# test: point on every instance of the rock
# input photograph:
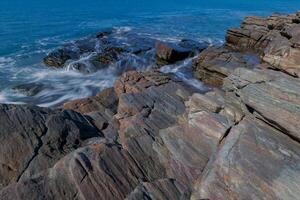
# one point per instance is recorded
(97, 171)
(194, 46)
(214, 64)
(58, 57)
(168, 53)
(105, 99)
(29, 89)
(109, 55)
(33, 139)
(100, 111)
(163, 189)
(146, 106)
(275, 39)
(271, 95)
(103, 34)
(255, 162)
(133, 81)
(186, 147)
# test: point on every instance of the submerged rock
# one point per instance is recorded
(30, 89)
(59, 57)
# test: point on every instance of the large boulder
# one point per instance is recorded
(97, 171)
(167, 53)
(33, 139)
(216, 63)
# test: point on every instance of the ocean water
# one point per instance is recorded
(30, 29)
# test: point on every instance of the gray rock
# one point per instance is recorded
(255, 162)
(33, 139)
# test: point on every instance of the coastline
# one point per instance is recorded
(154, 136)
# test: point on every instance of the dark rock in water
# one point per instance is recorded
(103, 34)
(84, 67)
(86, 45)
(58, 57)
(30, 89)
(168, 53)
(194, 46)
(33, 139)
(108, 56)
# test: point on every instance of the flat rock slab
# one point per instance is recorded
(255, 162)
(273, 96)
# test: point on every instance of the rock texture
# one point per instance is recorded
(274, 38)
(34, 139)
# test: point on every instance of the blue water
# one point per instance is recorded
(30, 29)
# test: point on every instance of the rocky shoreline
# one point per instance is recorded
(153, 136)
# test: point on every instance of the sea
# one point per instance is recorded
(30, 29)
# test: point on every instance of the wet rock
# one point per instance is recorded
(85, 67)
(59, 57)
(30, 89)
(97, 171)
(33, 139)
(163, 189)
(256, 161)
(167, 53)
(195, 46)
(103, 34)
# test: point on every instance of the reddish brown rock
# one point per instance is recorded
(134, 81)
(167, 53)
(214, 64)
(275, 39)
(255, 162)
(98, 171)
(33, 139)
